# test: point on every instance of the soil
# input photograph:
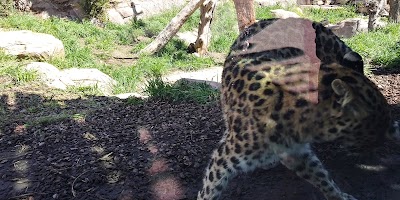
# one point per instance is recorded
(56, 146)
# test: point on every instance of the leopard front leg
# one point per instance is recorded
(218, 173)
(227, 161)
(306, 164)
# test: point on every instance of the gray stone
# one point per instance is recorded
(40, 5)
(127, 95)
(63, 79)
(128, 19)
(91, 78)
(349, 27)
(122, 12)
(123, 4)
(346, 29)
(188, 36)
(71, 9)
(30, 44)
(125, 12)
(114, 16)
(212, 84)
(50, 75)
(209, 74)
(23, 5)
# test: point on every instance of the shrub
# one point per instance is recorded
(95, 8)
(6, 6)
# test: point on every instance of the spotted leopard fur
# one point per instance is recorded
(288, 83)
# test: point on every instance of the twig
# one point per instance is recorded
(73, 183)
(126, 58)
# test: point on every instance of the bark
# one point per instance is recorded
(172, 28)
(394, 13)
(245, 13)
(374, 9)
(204, 33)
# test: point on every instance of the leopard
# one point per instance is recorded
(287, 84)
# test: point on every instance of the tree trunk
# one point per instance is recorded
(245, 13)
(172, 28)
(204, 32)
(394, 13)
(374, 9)
(135, 12)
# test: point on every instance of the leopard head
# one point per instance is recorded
(365, 118)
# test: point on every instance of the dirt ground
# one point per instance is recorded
(106, 148)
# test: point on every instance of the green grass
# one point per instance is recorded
(84, 43)
(134, 101)
(224, 28)
(84, 90)
(54, 118)
(264, 12)
(88, 46)
(14, 71)
(332, 15)
(182, 91)
(380, 47)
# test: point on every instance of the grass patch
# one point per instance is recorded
(78, 117)
(182, 91)
(332, 15)
(14, 71)
(55, 118)
(264, 12)
(47, 120)
(88, 46)
(224, 28)
(134, 101)
(84, 90)
(380, 47)
(85, 44)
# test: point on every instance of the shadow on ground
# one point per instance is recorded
(107, 148)
(103, 148)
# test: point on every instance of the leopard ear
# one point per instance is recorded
(339, 87)
(347, 99)
(354, 61)
(342, 89)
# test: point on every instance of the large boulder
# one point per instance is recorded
(115, 17)
(71, 9)
(122, 11)
(91, 78)
(62, 79)
(50, 75)
(30, 44)
(349, 27)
